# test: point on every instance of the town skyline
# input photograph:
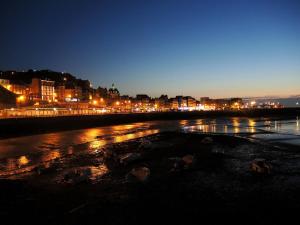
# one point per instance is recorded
(164, 92)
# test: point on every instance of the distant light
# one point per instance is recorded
(54, 109)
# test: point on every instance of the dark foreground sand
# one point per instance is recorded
(213, 186)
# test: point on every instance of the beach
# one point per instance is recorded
(189, 178)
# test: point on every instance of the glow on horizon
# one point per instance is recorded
(199, 48)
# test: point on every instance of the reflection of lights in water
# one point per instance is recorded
(130, 136)
(236, 124)
(121, 138)
(92, 133)
(251, 123)
(268, 125)
(23, 160)
(236, 129)
(203, 128)
(16, 166)
(225, 129)
(125, 127)
(98, 171)
(189, 128)
(213, 121)
(199, 122)
(297, 125)
(97, 144)
(126, 137)
(183, 122)
(213, 128)
(277, 125)
(51, 155)
(53, 138)
(250, 129)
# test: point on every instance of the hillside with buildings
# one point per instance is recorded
(48, 89)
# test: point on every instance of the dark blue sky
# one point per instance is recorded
(200, 48)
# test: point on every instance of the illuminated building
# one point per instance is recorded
(4, 83)
(143, 102)
(174, 104)
(7, 98)
(113, 92)
(162, 103)
(73, 94)
(19, 88)
(60, 93)
(15, 86)
(191, 102)
(42, 90)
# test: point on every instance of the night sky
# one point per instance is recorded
(199, 48)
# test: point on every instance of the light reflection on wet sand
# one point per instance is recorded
(21, 154)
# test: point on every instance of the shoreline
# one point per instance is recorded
(15, 127)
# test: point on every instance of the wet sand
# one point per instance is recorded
(213, 185)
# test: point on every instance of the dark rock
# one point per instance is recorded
(129, 158)
(189, 161)
(260, 166)
(77, 176)
(139, 174)
(218, 150)
(145, 144)
(207, 140)
(46, 168)
(109, 154)
(185, 162)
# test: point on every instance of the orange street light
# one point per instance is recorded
(21, 98)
